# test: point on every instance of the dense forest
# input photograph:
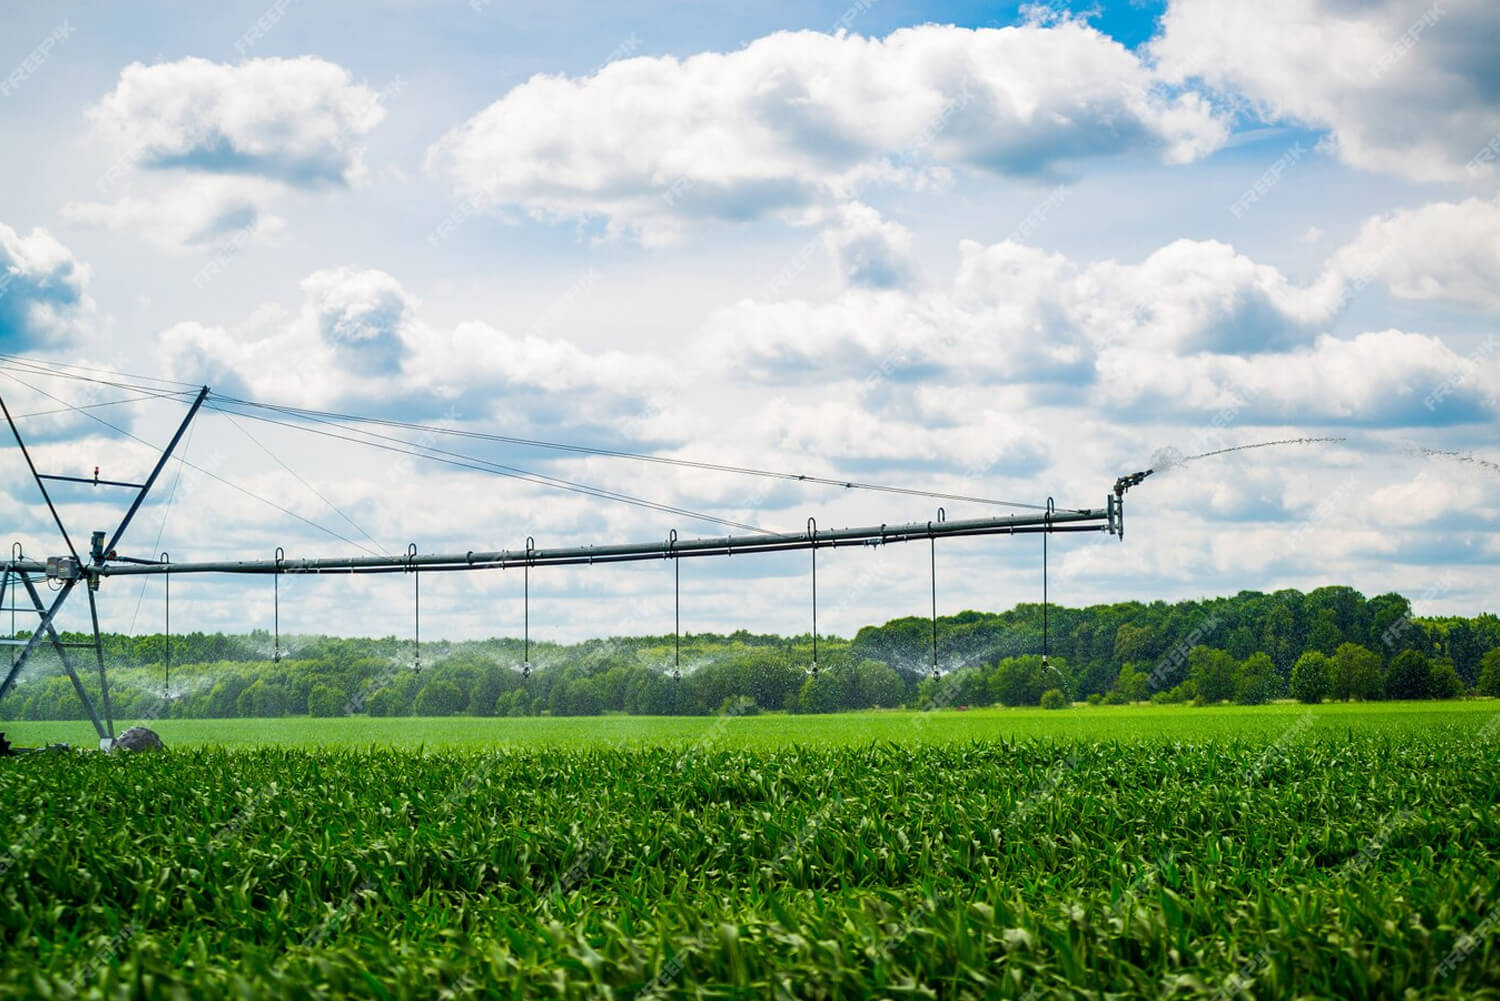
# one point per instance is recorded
(1253, 647)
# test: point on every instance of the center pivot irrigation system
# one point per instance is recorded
(63, 573)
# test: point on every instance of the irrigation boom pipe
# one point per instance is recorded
(1094, 520)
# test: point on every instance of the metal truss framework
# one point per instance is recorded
(67, 572)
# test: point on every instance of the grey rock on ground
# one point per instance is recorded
(138, 738)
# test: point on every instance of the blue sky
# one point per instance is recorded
(1007, 251)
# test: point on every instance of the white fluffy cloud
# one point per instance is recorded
(188, 215)
(1015, 313)
(295, 120)
(1194, 329)
(43, 291)
(1380, 378)
(1189, 296)
(203, 149)
(364, 317)
(1404, 86)
(794, 122)
(358, 339)
(870, 251)
(1445, 251)
(848, 432)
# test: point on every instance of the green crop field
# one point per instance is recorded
(1280, 851)
(1175, 722)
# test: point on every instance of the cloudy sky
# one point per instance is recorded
(1006, 252)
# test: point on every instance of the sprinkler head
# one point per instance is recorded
(525, 670)
(1124, 483)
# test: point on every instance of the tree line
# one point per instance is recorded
(1248, 648)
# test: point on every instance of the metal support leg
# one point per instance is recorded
(942, 516)
(166, 580)
(1047, 531)
(36, 636)
(276, 607)
(48, 614)
(416, 610)
(4, 588)
(526, 610)
(812, 533)
(676, 607)
(99, 554)
(677, 618)
(109, 710)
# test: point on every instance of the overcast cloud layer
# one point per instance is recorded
(1008, 260)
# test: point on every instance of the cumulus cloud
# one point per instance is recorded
(1382, 378)
(43, 291)
(364, 317)
(190, 214)
(203, 149)
(1195, 328)
(358, 339)
(1195, 295)
(1402, 86)
(796, 121)
(869, 251)
(852, 434)
(1016, 313)
(294, 120)
(1444, 251)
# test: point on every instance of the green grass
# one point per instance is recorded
(1100, 852)
(1179, 723)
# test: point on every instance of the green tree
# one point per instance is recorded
(879, 685)
(1324, 635)
(1310, 677)
(1053, 698)
(1390, 622)
(582, 697)
(1019, 681)
(1134, 643)
(223, 699)
(969, 686)
(54, 699)
(1255, 680)
(822, 693)
(1284, 636)
(385, 702)
(1354, 673)
(440, 698)
(1212, 673)
(325, 700)
(1489, 673)
(486, 689)
(654, 695)
(261, 701)
(1133, 683)
(1408, 676)
(1443, 681)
